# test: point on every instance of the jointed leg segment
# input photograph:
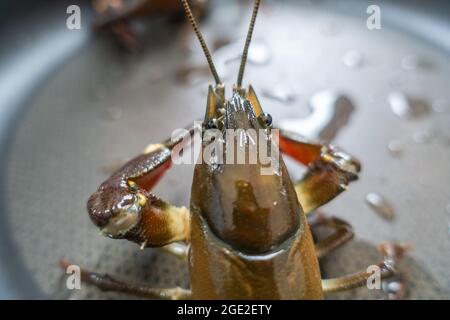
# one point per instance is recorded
(342, 233)
(106, 283)
(329, 173)
(179, 250)
(125, 208)
(329, 170)
(355, 280)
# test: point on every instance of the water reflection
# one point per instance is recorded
(330, 111)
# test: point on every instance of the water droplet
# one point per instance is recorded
(447, 208)
(330, 29)
(440, 105)
(221, 42)
(259, 54)
(330, 111)
(192, 75)
(114, 113)
(353, 59)
(413, 62)
(380, 205)
(448, 229)
(422, 136)
(280, 93)
(406, 107)
(410, 62)
(395, 147)
(396, 290)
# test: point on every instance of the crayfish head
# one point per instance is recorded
(242, 111)
(242, 188)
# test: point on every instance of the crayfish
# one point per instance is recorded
(116, 16)
(247, 235)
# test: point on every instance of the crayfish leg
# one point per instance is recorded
(329, 170)
(104, 282)
(179, 250)
(342, 233)
(356, 280)
(125, 208)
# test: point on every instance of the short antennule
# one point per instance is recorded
(247, 43)
(208, 56)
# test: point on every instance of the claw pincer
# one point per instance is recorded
(124, 206)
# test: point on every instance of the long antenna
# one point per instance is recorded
(191, 18)
(247, 43)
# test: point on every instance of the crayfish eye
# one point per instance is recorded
(215, 124)
(265, 119)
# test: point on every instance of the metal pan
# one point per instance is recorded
(72, 106)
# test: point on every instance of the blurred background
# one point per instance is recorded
(75, 104)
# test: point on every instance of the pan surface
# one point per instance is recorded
(73, 107)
